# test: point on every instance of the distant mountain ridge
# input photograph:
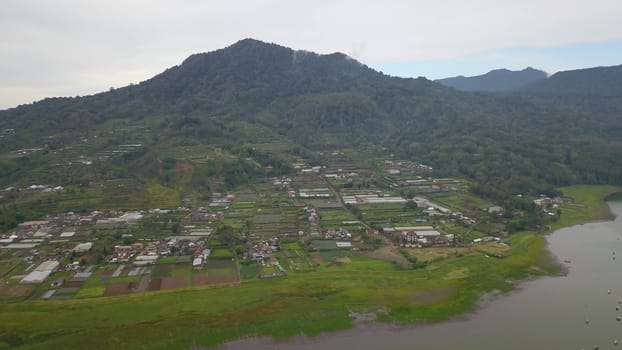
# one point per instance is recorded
(496, 80)
(597, 81)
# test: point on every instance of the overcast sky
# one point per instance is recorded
(76, 47)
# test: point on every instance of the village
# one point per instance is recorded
(319, 216)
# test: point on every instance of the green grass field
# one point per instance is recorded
(587, 204)
(459, 201)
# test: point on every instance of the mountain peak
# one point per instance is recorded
(251, 43)
(255, 72)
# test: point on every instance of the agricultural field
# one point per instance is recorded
(295, 283)
(221, 271)
(249, 270)
(386, 215)
(460, 201)
(103, 282)
(119, 194)
(309, 302)
(294, 258)
(265, 213)
(438, 254)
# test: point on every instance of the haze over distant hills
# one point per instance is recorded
(227, 102)
(495, 80)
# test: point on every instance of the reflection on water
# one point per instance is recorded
(577, 311)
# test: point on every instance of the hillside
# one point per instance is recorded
(194, 126)
(495, 80)
(598, 81)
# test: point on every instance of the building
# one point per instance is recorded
(41, 272)
(131, 217)
(494, 209)
(145, 260)
(197, 263)
(372, 199)
(83, 247)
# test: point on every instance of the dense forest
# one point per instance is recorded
(558, 131)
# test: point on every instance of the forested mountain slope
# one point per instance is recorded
(225, 102)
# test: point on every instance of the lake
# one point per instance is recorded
(571, 312)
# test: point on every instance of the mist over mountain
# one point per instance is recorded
(496, 80)
(227, 103)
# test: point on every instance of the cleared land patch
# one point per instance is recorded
(389, 253)
(119, 289)
(221, 271)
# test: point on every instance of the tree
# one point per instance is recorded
(176, 227)
(410, 205)
(240, 249)
(229, 236)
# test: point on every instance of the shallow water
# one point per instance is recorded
(571, 312)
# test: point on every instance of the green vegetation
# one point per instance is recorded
(249, 271)
(215, 123)
(221, 254)
(204, 137)
(312, 302)
(586, 204)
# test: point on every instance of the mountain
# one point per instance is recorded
(495, 80)
(195, 126)
(598, 81)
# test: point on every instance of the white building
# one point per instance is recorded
(83, 247)
(197, 263)
(41, 272)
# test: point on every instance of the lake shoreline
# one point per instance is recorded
(485, 301)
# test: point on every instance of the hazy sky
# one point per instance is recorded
(73, 47)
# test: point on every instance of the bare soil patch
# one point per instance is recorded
(199, 279)
(216, 278)
(11, 290)
(174, 282)
(73, 284)
(119, 289)
(389, 253)
(155, 284)
(221, 271)
(343, 260)
(438, 253)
